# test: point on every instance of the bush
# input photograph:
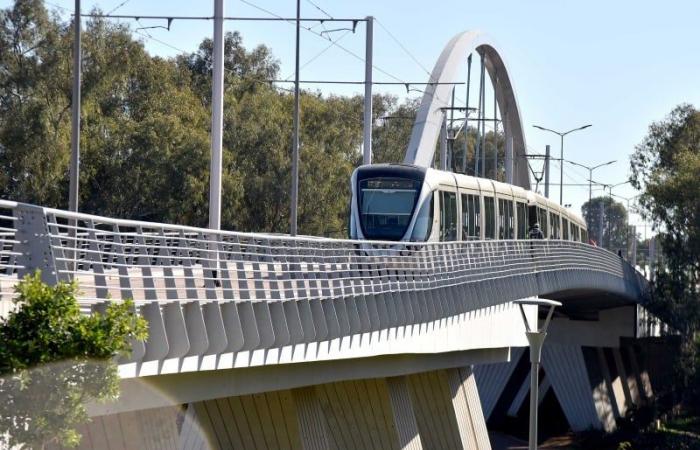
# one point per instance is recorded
(54, 359)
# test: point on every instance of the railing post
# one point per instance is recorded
(35, 243)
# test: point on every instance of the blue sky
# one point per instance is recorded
(616, 64)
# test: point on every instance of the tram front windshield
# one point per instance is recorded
(386, 206)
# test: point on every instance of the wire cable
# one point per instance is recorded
(403, 47)
(118, 6)
(319, 8)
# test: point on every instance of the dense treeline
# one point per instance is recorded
(145, 129)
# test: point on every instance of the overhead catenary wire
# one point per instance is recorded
(118, 6)
(403, 47)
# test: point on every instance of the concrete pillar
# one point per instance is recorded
(404, 416)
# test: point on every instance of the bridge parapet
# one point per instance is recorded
(210, 292)
(149, 261)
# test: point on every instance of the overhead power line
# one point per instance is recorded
(319, 8)
(403, 47)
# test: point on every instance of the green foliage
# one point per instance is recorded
(665, 167)
(53, 359)
(615, 231)
(145, 130)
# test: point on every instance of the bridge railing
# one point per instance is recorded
(113, 258)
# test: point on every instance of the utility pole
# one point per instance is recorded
(466, 115)
(483, 115)
(495, 129)
(295, 138)
(600, 219)
(443, 142)
(217, 118)
(546, 171)
(73, 189)
(367, 121)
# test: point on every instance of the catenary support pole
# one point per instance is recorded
(561, 172)
(73, 188)
(508, 134)
(546, 170)
(443, 143)
(495, 129)
(217, 118)
(367, 121)
(295, 137)
(479, 110)
(450, 135)
(601, 211)
(483, 116)
(466, 115)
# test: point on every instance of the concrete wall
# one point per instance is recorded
(438, 409)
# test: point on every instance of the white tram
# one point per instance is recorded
(399, 202)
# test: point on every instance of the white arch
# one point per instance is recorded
(426, 128)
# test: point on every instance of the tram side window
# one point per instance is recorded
(505, 219)
(448, 216)
(542, 217)
(470, 217)
(554, 225)
(575, 233)
(565, 229)
(521, 213)
(489, 218)
(584, 235)
(531, 216)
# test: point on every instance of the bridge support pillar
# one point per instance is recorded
(404, 415)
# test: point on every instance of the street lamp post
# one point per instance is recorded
(536, 340)
(627, 234)
(561, 155)
(590, 177)
(610, 187)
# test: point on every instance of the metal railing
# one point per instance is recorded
(113, 258)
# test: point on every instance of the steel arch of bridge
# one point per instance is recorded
(426, 128)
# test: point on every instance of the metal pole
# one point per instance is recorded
(600, 220)
(534, 391)
(217, 118)
(75, 119)
(477, 142)
(295, 138)
(367, 121)
(450, 135)
(561, 172)
(509, 147)
(443, 143)
(495, 132)
(483, 116)
(466, 115)
(546, 171)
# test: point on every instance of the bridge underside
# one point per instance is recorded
(406, 407)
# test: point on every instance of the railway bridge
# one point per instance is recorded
(273, 341)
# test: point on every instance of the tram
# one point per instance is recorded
(400, 202)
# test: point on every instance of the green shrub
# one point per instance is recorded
(54, 359)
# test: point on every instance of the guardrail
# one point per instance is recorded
(118, 259)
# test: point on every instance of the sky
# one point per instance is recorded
(618, 65)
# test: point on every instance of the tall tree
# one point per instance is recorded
(665, 166)
(614, 222)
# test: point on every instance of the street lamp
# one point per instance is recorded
(602, 207)
(630, 255)
(561, 155)
(590, 173)
(536, 340)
